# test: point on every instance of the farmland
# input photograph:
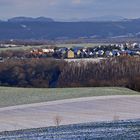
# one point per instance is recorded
(15, 96)
(70, 111)
(22, 47)
(82, 44)
(107, 130)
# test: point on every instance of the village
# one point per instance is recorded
(77, 52)
(73, 52)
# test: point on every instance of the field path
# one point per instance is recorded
(70, 111)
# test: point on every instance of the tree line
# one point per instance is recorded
(30, 72)
(117, 71)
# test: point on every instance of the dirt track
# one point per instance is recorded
(105, 108)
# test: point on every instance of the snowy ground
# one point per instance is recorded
(70, 111)
(96, 60)
(117, 130)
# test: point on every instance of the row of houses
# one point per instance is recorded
(83, 52)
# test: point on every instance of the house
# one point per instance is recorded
(137, 52)
(127, 52)
(84, 49)
(77, 53)
(116, 52)
(70, 54)
(34, 52)
(100, 53)
(63, 52)
(48, 50)
(91, 54)
(109, 53)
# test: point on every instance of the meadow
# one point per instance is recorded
(10, 96)
(24, 48)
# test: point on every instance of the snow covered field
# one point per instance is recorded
(117, 130)
(71, 111)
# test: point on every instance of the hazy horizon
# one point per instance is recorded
(62, 9)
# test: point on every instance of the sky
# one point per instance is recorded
(69, 9)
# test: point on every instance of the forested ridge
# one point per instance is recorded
(39, 30)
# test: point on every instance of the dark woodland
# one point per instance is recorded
(51, 73)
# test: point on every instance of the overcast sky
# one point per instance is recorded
(67, 9)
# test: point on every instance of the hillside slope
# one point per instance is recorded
(54, 30)
(17, 96)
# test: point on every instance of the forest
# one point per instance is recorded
(121, 71)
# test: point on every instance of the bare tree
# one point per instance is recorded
(116, 118)
(57, 120)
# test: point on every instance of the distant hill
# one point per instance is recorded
(95, 19)
(106, 18)
(45, 28)
(30, 19)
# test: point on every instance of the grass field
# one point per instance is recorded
(80, 45)
(20, 48)
(17, 96)
(58, 45)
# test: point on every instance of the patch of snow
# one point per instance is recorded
(23, 26)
